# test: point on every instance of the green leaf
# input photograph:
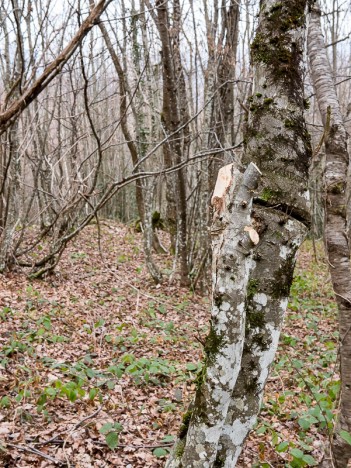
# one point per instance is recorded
(261, 430)
(309, 460)
(110, 384)
(106, 428)
(305, 423)
(112, 440)
(51, 392)
(282, 446)
(167, 439)
(92, 393)
(191, 366)
(297, 453)
(5, 402)
(160, 452)
(346, 436)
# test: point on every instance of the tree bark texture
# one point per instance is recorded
(277, 141)
(336, 241)
(232, 239)
(174, 114)
(222, 109)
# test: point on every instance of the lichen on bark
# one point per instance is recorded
(278, 143)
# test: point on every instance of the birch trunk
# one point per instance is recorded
(232, 241)
(278, 143)
(336, 242)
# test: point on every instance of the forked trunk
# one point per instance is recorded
(278, 143)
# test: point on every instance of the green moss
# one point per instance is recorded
(268, 194)
(268, 101)
(288, 123)
(280, 286)
(259, 95)
(252, 288)
(200, 377)
(213, 344)
(255, 319)
(183, 430)
(337, 188)
(179, 448)
(306, 104)
(219, 462)
(273, 45)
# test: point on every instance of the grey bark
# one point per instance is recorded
(232, 262)
(278, 143)
(335, 230)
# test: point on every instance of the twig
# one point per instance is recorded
(29, 449)
(76, 427)
(137, 447)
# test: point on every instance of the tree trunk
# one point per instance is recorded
(222, 112)
(232, 240)
(278, 143)
(143, 197)
(178, 138)
(336, 242)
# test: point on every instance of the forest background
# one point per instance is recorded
(131, 124)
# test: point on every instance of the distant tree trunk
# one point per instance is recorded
(175, 117)
(144, 202)
(222, 112)
(336, 241)
(278, 143)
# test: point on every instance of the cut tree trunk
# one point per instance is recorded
(335, 230)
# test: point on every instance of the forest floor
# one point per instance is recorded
(97, 364)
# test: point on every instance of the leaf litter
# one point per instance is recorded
(97, 363)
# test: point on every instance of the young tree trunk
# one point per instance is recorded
(143, 199)
(232, 240)
(278, 143)
(336, 242)
(222, 112)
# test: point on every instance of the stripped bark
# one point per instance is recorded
(232, 262)
(335, 235)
